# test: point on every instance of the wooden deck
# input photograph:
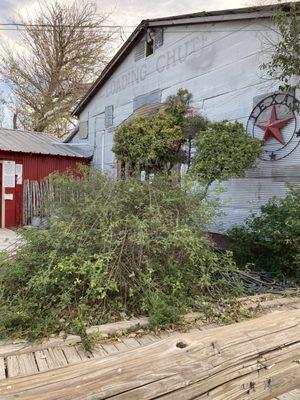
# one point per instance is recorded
(30, 360)
(17, 360)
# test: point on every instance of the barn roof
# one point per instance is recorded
(37, 143)
(237, 14)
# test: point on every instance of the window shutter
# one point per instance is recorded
(109, 111)
(83, 130)
(147, 98)
(159, 38)
(140, 50)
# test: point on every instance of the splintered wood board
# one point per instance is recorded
(254, 360)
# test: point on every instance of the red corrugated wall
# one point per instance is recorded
(35, 167)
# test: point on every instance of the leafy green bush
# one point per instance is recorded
(156, 142)
(112, 249)
(271, 240)
(224, 150)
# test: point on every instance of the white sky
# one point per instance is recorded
(123, 12)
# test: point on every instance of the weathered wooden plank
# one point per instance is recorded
(98, 351)
(293, 395)
(71, 354)
(256, 359)
(2, 368)
(109, 348)
(13, 368)
(27, 364)
(147, 339)
(9, 348)
(57, 354)
(41, 360)
(82, 353)
(131, 343)
(121, 346)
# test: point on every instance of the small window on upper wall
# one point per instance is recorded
(149, 46)
(83, 132)
(150, 42)
(109, 116)
(158, 38)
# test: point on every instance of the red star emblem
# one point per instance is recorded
(272, 127)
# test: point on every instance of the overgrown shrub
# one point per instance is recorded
(271, 240)
(112, 249)
(154, 140)
(160, 141)
(224, 150)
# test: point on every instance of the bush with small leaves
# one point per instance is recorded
(271, 239)
(223, 150)
(112, 248)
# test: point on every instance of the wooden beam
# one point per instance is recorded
(256, 359)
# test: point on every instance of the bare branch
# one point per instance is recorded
(56, 64)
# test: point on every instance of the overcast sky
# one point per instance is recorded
(124, 12)
(132, 11)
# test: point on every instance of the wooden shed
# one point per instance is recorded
(27, 158)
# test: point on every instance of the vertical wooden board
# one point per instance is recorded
(98, 351)
(146, 339)
(13, 368)
(71, 354)
(121, 346)
(41, 360)
(27, 364)
(82, 353)
(109, 348)
(2, 368)
(131, 343)
(58, 355)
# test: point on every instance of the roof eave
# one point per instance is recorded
(207, 19)
(46, 154)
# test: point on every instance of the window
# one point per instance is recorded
(109, 116)
(83, 130)
(149, 46)
(147, 98)
(149, 43)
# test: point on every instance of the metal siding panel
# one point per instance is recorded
(33, 142)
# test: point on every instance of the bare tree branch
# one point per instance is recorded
(57, 62)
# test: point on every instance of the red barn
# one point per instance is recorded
(28, 157)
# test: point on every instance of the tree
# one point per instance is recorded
(284, 65)
(153, 142)
(189, 118)
(224, 150)
(157, 142)
(63, 48)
